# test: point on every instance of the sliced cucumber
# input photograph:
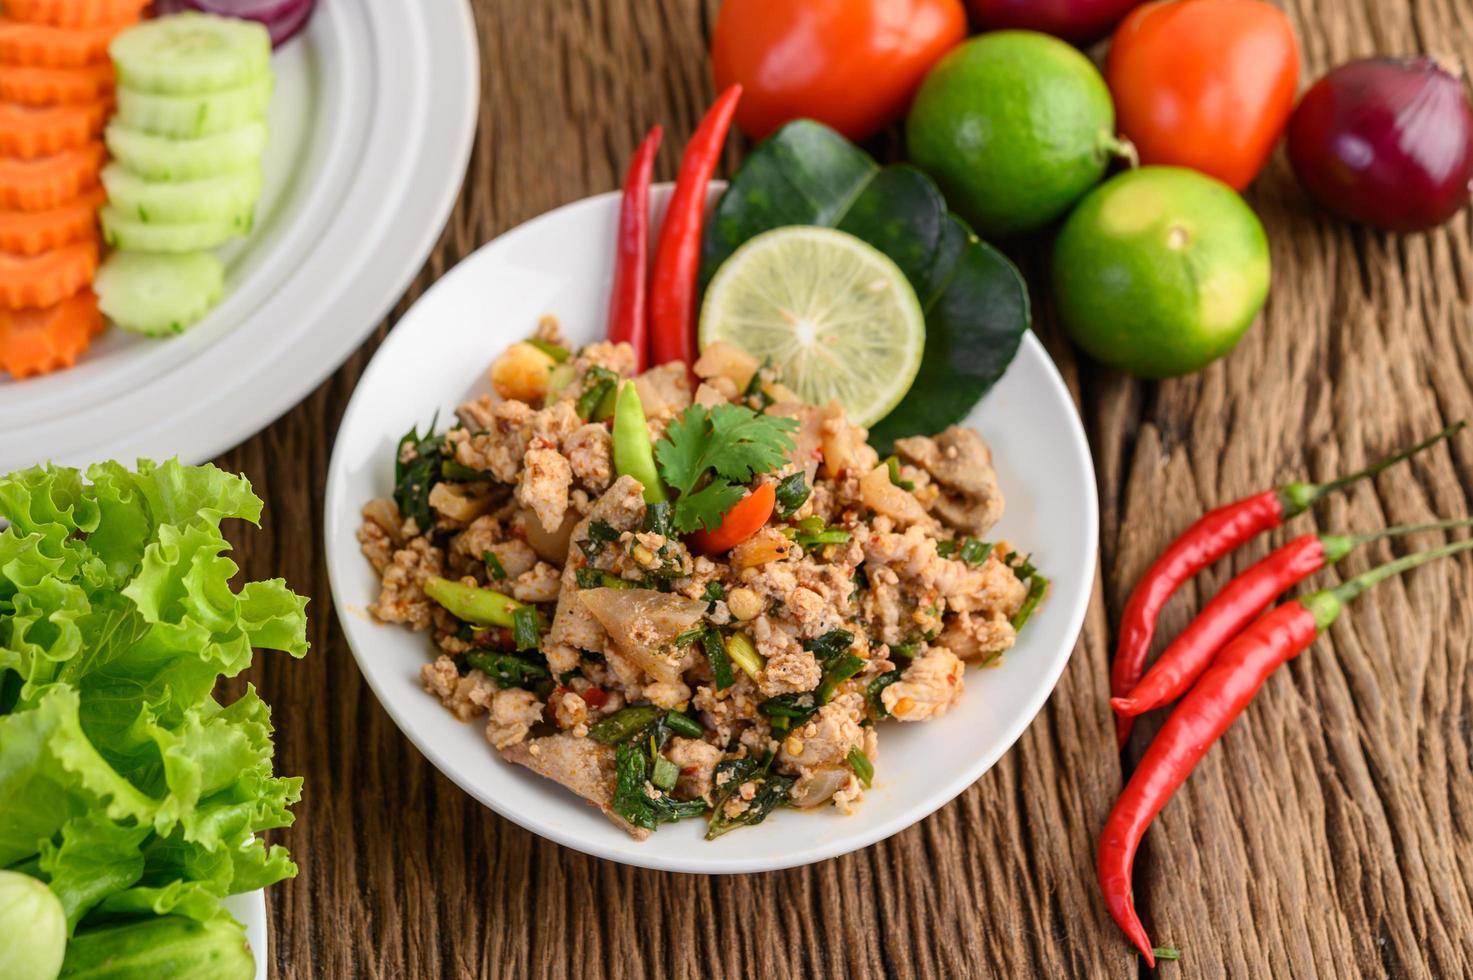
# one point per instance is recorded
(190, 54)
(163, 201)
(121, 231)
(160, 158)
(158, 294)
(192, 116)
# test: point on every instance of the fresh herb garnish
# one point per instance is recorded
(659, 519)
(863, 768)
(634, 803)
(1023, 567)
(596, 404)
(593, 578)
(877, 688)
(526, 628)
(788, 710)
(493, 564)
(714, 591)
(792, 493)
(812, 532)
(600, 533)
(557, 352)
(830, 645)
(709, 455)
(715, 648)
(510, 670)
(894, 466)
(773, 790)
(414, 480)
(974, 552)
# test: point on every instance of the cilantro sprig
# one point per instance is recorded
(709, 455)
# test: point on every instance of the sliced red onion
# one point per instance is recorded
(283, 18)
(1387, 142)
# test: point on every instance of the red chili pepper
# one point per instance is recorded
(1206, 712)
(628, 313)
(1212, 536)
(678, 254)
(1239, 603)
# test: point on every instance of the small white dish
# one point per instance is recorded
(371, 126)
(562, 263)
(250, 909)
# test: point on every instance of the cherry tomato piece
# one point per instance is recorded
(740, 523)
(850, 64)
(1205, 84)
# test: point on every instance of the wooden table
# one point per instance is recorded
(1331, 833)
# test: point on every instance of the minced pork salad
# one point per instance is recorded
(685, 605)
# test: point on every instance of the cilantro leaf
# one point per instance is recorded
(708, 456)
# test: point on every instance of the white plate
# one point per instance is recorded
(250, 909)
(371, 130)
(561, 263)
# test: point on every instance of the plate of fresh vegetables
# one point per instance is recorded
(208, 203)
(837, 282)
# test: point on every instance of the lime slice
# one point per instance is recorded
(834, 315)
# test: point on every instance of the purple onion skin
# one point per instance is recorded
(282, 18)
(1386, 142)
(1076, 21)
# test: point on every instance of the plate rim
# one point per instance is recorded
(234, 412)
(333, 519)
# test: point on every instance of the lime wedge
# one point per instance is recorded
(834, 315)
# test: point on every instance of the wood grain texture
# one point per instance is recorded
(1330, 834)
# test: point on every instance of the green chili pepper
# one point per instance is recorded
(480, 606)
(634, 453)
(557, 352)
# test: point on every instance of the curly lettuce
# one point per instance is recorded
(125, 785)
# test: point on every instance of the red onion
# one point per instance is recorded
(1077, 21)
(1388, 142)
(283, 18)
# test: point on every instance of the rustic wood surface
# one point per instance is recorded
(1330, 834)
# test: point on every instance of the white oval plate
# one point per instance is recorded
(371, 128)
(250, 910)
(561, 263)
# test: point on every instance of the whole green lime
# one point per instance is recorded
(1160, 270)
(1015, 126)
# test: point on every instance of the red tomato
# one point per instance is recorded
(740, 523)
(851, 64)
(1206, 84)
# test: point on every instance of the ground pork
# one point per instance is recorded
(401, 596)
(973, 636)
(494, 438)
(928, 687)
(543, 486)
(540, 583)
(827, 737)
(513, 713)
(664, 391)
(569, 710)
(970, 500)
(590, 453)
(465, 696)
(696, 760)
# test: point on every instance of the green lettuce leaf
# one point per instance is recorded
(124, 783)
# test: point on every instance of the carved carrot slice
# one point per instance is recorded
(44, 46)
(48, 182)
(34, 232)
(28, 132)
(33, 281)
(36, 341)
(75, 13)
(55, 86)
